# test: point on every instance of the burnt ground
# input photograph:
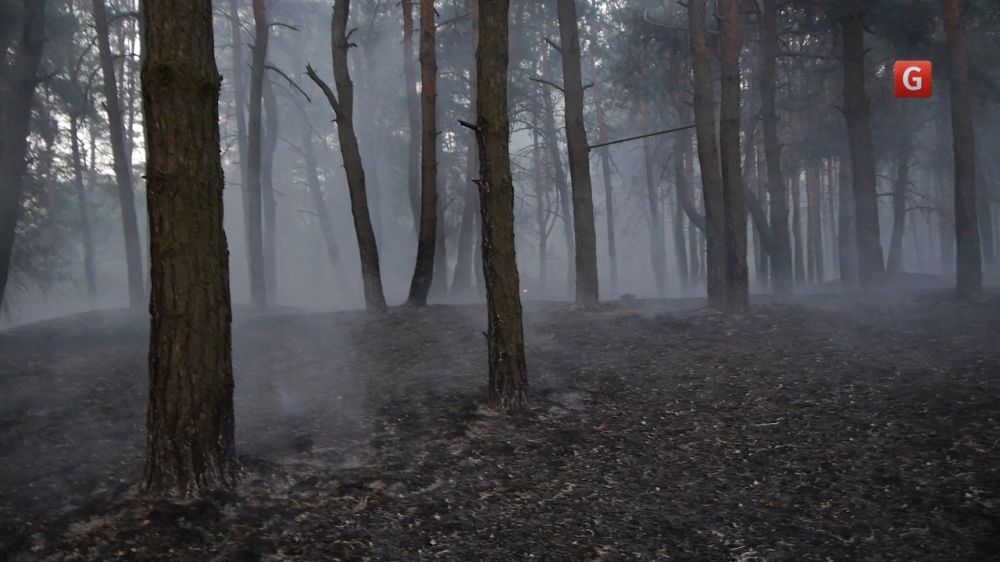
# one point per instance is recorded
(826, 427)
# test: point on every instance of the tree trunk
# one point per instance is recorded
(781, 255)
(239, 89)
(562, 189)
(585, 238)
(814, 234)
(86, 236)
(413, 114)
(508, 381)
(681, 146)
(609, 199)
(969, 265)
(846, 241)
(657, 242)
(899, 192)
(122, 160)
(857, 110)
(18, 93)
(190, 447)
(342, 104)
(461, 280)
(735, 211)
(708, 156)
(319, 201)
(268, 146)
(798, 249)
(255, 251)
(423, 272)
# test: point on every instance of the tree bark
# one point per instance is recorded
(342, 104)
(609, 199)
(814, 233)
(969, 265)
(190, 448)
(780, 254)
(857, 110)
(899, 192)
(461, 280)
(735, 210)
(423, 272)
(83, 208)
(255, 251)
(413, 114)
(122, 160)
(708, 156)
(585, 238)
(18, 94)
(508, 381)
(269, 143)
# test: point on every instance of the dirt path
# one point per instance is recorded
(822, 428)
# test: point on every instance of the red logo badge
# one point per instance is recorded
(913, 79)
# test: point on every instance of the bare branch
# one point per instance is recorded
(547, 83)
(289, 80)
(330, 97)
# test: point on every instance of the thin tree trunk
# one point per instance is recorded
(798, 250)
(857, 110)
(585, 238)
(708, 156)
(846, 241)
(735, 211)
(319, 201)
(86, 236)
(342, 104)
(22, 77)
(541, 204)
(680, 187)
(255, 252)
(814, 233)
(781, 256)
(462, 278)
(190, 445)
(268, 146)
(899, 192)
(423, 272)
(122, 160)
(413, 114)
(969, 265)
(657, 242)
(609, 199)
(239, 89)
(508, 381)
(562, 188)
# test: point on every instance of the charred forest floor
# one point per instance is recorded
(821, 427)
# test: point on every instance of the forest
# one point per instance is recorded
(499, 280)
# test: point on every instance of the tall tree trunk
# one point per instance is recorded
(190, 446)
(781, 255)
(562, 189)
(681, 147)
(461, 280)
(239, 97)
(831, 211)
(255, 251)
(86, 236)
(122, 160)
(585, 238)
(508, 380)
(735, 210)
(857, 110)
(413, 114)
(342, 104)
(268, 146)
(609, 199)
(846, 241)
(18, 93)
(541, 204)
(814, 234)
(969, 265)
(899, 192)
(423, 272)
(708, 156)
(798, 248)
(657, 239)
(319, 201)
